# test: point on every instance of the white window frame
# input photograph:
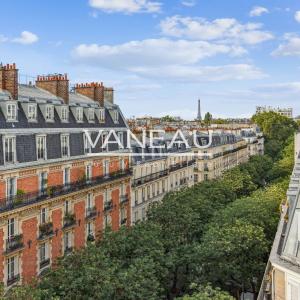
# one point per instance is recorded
(49, 113)
(102, 114)
(12, 262)
(89, 172)
(65, 143)
(91, 115)
(43, 215)
(11, 111)
(79, 114)
(32, 112)
(116, 116)
(64, 114)
(66, 171)
(38, 145)
(45, 248)
(8, 186)
(6, 144)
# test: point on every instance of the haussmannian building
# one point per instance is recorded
(56, 192)
(157, 172)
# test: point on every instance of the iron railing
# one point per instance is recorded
(9, 203)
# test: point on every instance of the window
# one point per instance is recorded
(122, 164)
(43, 215)
(143, 213)
(89, 201)
(107, 220)
(106, 167)
(32, 114)
(121, 138)
(136, 216)
(10, 149)
(65, 146)
(11, 188)
(91, 115)
(136, 197)
(64, 114)
(49, 113)
(44, 255)
(87, 144)
(79, 114)
(115, 116)
(102, 114)
(143, 194)
(66, 176)
(148, 192)
(12, 269)
(123, 215)
(41, 147)
(67, 207)
(88, 172)
(11, 112)
(43, 182)
(90, 229)
(68, 241)
(11, 228)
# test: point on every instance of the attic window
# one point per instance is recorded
(116, 116)
(91, 114)
(32, 112)
(11, 112)
(102, 114)
(49, 113)
(64, 114)
(79, 114)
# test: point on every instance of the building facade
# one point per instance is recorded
(287, 112)
(155, 174)
(225, 152)
(282, 276)
(56, 192)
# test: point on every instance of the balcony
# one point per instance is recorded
(124, 221)
(124, 199)
(69, 220)
(91, 212)
(25, 199)
(46, 230)
(14, 243)
(150, 177)
(45, 263)
(108, 205)
(13, 279)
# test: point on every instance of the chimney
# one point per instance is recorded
(93, 90)
(57, 85)
(109, 94)
(9, 79)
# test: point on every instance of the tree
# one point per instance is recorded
(233, 255)
(207, 119)
(208, 293)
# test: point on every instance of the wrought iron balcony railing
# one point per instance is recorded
(13, 279)
(14, 243)
(124, 199)
(45, 230)
(25, 199)
(44, 263)
(69, 220)
(108, 205)
(91, 212)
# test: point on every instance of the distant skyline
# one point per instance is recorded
(162, 56)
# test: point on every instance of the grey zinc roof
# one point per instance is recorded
(75, 98)
(27, 92)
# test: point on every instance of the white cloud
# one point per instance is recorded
(167, 59)
(227, 29)
(202, 73)
(257, 11)
(153, 52)
(126, 6)
(26, 38)
(297, 16)
(190, 3)
(290, 48)
(3, 38)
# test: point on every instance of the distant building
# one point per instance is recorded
(287, 112)
(282, 275)
(157, 173)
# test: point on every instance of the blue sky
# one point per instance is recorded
(161, 56)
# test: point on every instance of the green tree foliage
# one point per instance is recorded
(277, 130)
(168, 118)
(208, 293)
(207, 119)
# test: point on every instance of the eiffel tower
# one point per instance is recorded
(199, 117)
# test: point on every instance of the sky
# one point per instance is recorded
(162, 56)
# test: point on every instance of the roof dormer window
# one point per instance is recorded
(116, 116)
(32, 112)
(64, 114)
(102, 114)
(79, 114)
(11, 110)
(91, 115)
(49, 115)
